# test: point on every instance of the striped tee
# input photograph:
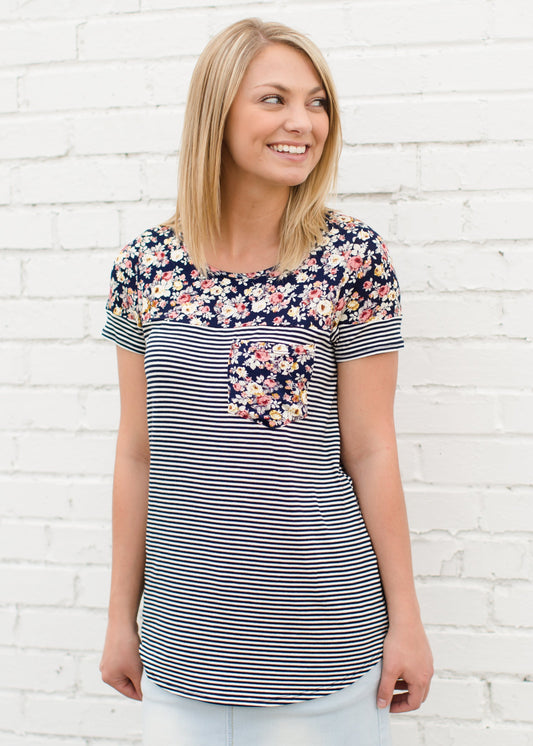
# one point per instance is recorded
(261, 583)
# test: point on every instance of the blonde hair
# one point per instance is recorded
(214, 85)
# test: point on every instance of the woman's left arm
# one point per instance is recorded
(366, 388)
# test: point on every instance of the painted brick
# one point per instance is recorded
(423, 220)
(169, 81)
(412, 119)
(475, 734)
(135, 220)
(71, 544)
(161, 177)
(16, 371)
(478, 652)
(78, 180)
(11, 704)
(511, 19)
(5, 184)
(89, 676)
(36, 586)
(8, 92)
(143, 36)
(23, 540)
(102, 410)
(449, 411)
(377, 170)
(33, 138)
(10, 277)
(501, 559)
(88, 717)
(443, 510)
(137, 131)
(61, 629)
(35, 320)
(508, 116)
(417, 23)
(48, 672)
(8, 451)
(65, 453)
(465, 267)
(437, 556)
(455, 698)
(77, 364)
(39, 409)
(93, 586)
(498, 219)
(91, 500)
(83, 228)
(484, 167)
(513, 605)
(453, 68)
(475, 363)
(56, 275)
(20, 498)
(8, 621)
(74, 8)
(46, 42)
(449, 315)
(511, 700)
(471, 460)
(453, 603)
(506, 510)
(25, 229)
(376, 211)
(517, 318)
(90, 85)
(517, 412)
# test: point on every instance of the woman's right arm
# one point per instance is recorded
(121, 665)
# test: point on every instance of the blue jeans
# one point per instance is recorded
(348, 717)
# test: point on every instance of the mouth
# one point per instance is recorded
(292, 149)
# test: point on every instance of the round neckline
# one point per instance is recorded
(180, 243)
(231, 273)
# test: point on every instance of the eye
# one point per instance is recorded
(320, 102)
(274, 98)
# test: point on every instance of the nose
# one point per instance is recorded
(298, 119)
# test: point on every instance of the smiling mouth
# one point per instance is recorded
(291, 149)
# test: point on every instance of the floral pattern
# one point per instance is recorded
(267, 382)
(347, 278)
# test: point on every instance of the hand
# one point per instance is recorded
(121, 665)
(407, 666)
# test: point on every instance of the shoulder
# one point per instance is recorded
(153, 244)
(352, 235)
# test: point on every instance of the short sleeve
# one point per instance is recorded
(123, 318)
(369, 311)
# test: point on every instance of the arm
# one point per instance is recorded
(121, 666)
(366, 388)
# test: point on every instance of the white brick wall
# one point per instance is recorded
(437, 101)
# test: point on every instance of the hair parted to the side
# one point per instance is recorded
(214, 85)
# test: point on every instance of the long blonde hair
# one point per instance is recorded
(214, 85)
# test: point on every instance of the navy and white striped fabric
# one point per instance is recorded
(261, 583)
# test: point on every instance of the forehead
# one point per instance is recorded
(280, 63)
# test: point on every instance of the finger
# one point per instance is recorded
(387, 682)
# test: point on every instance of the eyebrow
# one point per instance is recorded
(283, 89)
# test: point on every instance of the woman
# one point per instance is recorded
(257, 338)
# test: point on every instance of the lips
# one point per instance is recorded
(290, 148)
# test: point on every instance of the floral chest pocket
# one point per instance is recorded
(267, 382)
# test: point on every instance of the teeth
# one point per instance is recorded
(289, 148)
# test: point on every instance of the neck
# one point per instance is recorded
(250, 224)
